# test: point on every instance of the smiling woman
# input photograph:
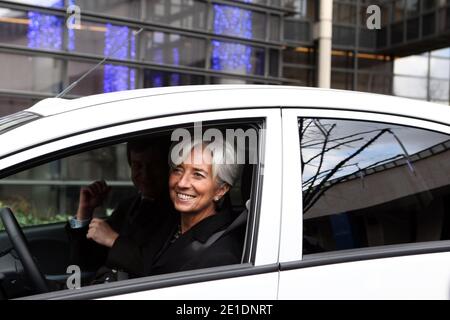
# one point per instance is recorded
(198, 182)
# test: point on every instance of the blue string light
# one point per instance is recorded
(45, 31)
(119, 44)
(175, 77)
(71, 34)
(226, 56)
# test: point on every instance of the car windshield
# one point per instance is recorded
(16, 119)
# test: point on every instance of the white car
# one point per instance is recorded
(348, 196)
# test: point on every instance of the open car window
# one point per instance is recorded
(45, 198)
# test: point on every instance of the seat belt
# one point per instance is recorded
(240, 220)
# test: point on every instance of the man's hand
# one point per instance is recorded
(91, 197)
(101, 232)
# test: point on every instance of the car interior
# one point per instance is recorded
(37, 201)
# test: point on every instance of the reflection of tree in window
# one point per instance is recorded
(360, 176)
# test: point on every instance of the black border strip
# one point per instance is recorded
(353, 255)
(156, 282)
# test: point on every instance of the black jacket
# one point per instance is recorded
(191, 249)
(139, 225)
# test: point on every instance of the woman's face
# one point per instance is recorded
(192, 186)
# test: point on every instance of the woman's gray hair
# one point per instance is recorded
(225, 168)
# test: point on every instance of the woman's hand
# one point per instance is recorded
(102, 233)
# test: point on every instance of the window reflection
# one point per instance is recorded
(31, 73)
(190, 14)
(156, 78)
(235, 57)
(371, 184)
(440, 68)
(439, 90)
(166, 48)
(410, 87)
(118, 8)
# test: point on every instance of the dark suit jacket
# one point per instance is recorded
(140, 225)
(189, 251)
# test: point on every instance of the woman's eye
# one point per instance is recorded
(198, 175)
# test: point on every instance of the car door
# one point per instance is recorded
(256, 277)
(366, 212)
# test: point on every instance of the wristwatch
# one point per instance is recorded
(75, 223)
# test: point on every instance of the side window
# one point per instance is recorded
(49, 193)
(368, 184)
(162, 213)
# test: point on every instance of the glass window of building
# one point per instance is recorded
(237, 58)
(274, 28)
(104, 39)
(189, 14)
(174, 49)
(14, 26)
(118, 8)
(158, 78)
(239, 22)
(440, 68)
(412, 65)
(106, 78)
(344, 13)
(439, 90)
(33, 29)
(31, 73)
(342, 80)
(410, 87)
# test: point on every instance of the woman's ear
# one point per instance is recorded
(221, 191)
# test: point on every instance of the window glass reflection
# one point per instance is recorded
(412, 65)
(106, 78)
(439, 90)
(14, 27)
(444, 53)
(235, 21)
(104, 39)
(188, 14)
(174, 49)
(33, 29)
(410, 87)
(31, 73)
(156, 78)
(440, 68)
(237, 58)
(118, 8)
(371, 184)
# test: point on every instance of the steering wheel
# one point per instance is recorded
(20, 244)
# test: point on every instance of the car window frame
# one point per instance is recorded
(115, 134)
(291, 255)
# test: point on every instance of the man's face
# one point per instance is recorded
(147, 172)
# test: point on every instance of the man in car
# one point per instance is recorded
(114, 247)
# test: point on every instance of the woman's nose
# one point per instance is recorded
(183, 182)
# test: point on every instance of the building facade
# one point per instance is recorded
(44, 47)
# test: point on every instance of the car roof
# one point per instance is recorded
(340, 99)
(63, 117)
